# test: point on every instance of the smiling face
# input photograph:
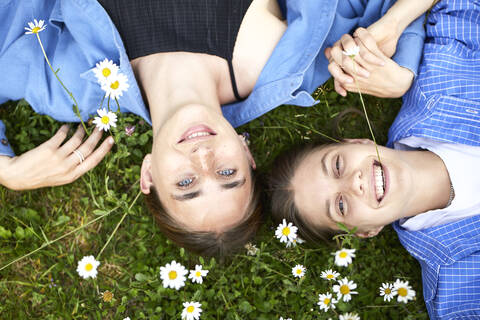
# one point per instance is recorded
(346, 183)
(200, 168)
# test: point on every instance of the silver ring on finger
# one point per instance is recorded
(79, 155)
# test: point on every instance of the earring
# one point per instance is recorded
(246, 137)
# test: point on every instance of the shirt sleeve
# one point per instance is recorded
(5, 149)
(410, 46)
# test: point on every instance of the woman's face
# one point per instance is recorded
(345, 183)
(200, 168)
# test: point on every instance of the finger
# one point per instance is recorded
(94, 158)
(339, 89)
(368, 57)
(86, 148)
(58, 138)
(351, 67)
(369, 42)
(338, 73)
(74, 142)
(328, 53)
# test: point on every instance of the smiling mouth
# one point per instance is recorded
(197, 133)
(379, 176)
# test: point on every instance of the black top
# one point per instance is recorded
(199, 26)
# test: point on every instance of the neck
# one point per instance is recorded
(431, 183)
(174, 80)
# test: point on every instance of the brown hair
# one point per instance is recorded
(282, 194)
(209, 243)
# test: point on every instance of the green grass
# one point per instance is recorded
(45, 285)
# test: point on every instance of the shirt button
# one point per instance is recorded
(4, 142)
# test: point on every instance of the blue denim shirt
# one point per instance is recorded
(79, 34)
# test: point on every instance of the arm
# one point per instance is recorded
(51, 163)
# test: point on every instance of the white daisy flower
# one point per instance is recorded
(299, 271)
(325, 301)
(173, 275)
(344, 257)
(251, 249)
(116, 85)
(404, 291)
(127, 318)
(329, 274)
(35, 26)
(294, 242)
(105, 70)
(344, 289)
(197, 274)
(352, 52)
(281, 318)
(191, 310)
(105, 120)
(87, 267)
(387, 291)
(349, 316)
(286, 232)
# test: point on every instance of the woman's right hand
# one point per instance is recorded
(54, 164)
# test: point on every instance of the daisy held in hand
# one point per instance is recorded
(387, 291)
(286, 232)
(197, 274)
(173, 275)
(35, 27)
(191, 310)
(87, 267)
(344, 289)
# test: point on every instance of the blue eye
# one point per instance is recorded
(185, 182)
(340, 205)
(227, 172)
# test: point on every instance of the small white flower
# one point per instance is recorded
(349, 316)
(387, 291)
(105, 70)
(115, 86)
(329, 274)
(35, 26)
(325, 301)
(191, 310)
(105, 120)
(294, 242)
(87, 267)
(251, 249)
(344, 289)
(286, 232)
(281, 318)
(173, 275)
(344, 257)
(404, 291)
(299, 271)
(352, 52)
(127, 318)
(197, 274)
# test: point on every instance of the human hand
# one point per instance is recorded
(54, 164)
(373, 71)
(385, 33)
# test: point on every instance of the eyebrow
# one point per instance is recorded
(193, 195)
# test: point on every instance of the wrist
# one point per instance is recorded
(5, 169)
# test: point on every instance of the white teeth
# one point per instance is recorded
(198, 134)
(379, 187)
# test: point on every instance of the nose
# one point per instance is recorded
(357, 184)
(202, 156)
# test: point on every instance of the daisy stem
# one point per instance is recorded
(365, 112)
(313, 130)
(46, 244)
(118, 225)
(101, 102)
(75, 104)
(108, 103)
(118, 105)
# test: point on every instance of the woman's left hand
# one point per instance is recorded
(375, 73)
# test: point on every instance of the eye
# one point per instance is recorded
(340, 205)
(227, 172)
(337, 165)
(185, 182)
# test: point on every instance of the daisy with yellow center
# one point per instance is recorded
(329, 275)
(191, 310)
(105, 70)
(344, 289)
(299, 271)
(294, 242)
(173, 275)
(115, 86)
(35, 27)
(344, 257)
(286, 232)
(404, 291)
(352, 52)
(349, 316)
(387, 291)
(197, 274)
(87, 267)
(105, 119)
(326, 301)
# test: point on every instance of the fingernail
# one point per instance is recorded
(365, 74)
(110, 140)
(349, 80)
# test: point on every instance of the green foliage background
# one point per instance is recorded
(45, 285)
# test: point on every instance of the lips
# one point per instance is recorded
(198, 132)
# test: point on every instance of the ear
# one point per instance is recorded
(146, 180)
(247, 150)
(369, 234)
(359, 141)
